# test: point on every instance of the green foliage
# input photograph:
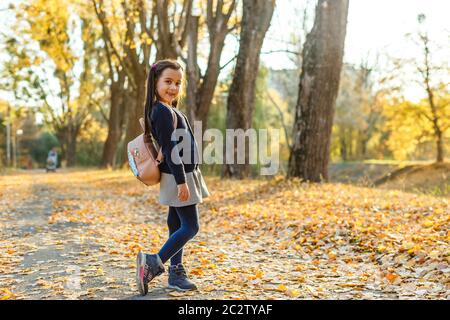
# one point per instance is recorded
(90, 143)
(89, 154)
(41, 146)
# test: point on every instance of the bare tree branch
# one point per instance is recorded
(101, 17)
(231, 60)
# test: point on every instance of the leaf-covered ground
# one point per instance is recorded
(75, 235)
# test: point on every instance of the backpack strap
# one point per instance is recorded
(175, 124)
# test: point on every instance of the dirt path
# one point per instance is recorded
(55, 260)
(74, 235)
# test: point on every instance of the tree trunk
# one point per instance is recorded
(60, 134)
(201, 93)
(363, 145)
(343, 143)
(208, 86)
(435, 118)
(241, 99)
(171, 37)
(67, 137)
(426, 72)
(115, 121)
(319, 84)
(193, 75)
(439, 147)
(71, 147)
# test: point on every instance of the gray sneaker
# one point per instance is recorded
(178, 279)
(148, 266)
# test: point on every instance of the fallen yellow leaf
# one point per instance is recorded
(5, 294)
(391, 277)
(294, 293)
(197, 271)
(427, 223)
(332, 255)
(100, 271)
(281, 288)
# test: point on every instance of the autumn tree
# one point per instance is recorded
(423, 122)
(127, 44)
(172, 20)
(201, 87)
(66, 99)
(407, 126)
(165, 28)
(283, 98)
(117, 75)
(319, 82)
(132, 30)
(241, 98)
(438, 109)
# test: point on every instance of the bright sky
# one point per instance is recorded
(374, 26)
(381, 25)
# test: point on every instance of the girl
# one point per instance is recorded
(182, 186)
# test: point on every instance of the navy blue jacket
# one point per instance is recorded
(161, 129)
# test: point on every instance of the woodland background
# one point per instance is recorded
(75, 79)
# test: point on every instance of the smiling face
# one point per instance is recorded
(168, 85)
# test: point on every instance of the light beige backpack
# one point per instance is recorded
(144, 157)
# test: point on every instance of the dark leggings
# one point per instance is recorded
(183, 226)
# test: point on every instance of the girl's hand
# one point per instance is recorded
(183, 192)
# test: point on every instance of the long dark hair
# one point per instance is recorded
(152, 95)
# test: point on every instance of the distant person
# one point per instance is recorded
(52, 160)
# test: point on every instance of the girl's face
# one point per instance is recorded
(169, 84)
